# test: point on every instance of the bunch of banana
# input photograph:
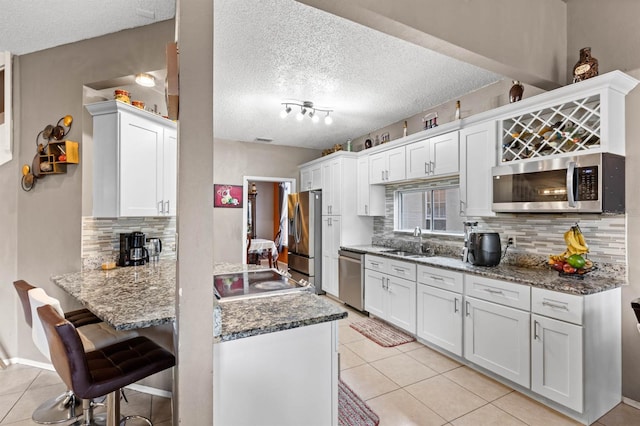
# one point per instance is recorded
(576, 243)
(571, 259)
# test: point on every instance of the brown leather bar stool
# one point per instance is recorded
(104, 371)
(93, 332)
(61, 408)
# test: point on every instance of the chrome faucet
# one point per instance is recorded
(418, 233)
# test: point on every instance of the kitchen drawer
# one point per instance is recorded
(400, 269)
(505, 293)
(562, 306)
(441, 278)
(376, 263)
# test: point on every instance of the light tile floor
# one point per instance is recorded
(406, 385)
(412, 384)
(23, 388)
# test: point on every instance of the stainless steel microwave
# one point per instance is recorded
(590, 183)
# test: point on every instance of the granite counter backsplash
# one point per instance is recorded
(542, 277)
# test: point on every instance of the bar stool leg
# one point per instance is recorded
(63, 408)
(113, 408)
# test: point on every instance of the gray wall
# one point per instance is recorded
(49, 220)
(613, 35)
(232, 161)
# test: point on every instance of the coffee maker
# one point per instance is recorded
(132, 249)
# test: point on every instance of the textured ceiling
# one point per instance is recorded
(30, 25)
(267, 51)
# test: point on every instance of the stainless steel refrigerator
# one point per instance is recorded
(305, 237)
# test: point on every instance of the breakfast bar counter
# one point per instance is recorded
(126, 298)
(143, 296)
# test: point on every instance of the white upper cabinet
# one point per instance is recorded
(332, 182)
(310, 177)
(478, 154)
(437, 156)
(387, 166)
(134, 162)
(370, 198)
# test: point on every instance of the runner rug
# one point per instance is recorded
(381, 333)
(353, 411)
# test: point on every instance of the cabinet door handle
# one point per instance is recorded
(383, 286)
(381, 174)
(387, 284)
(467, 308)
(387, 174)
(455, 305)
(432, 167)
(167, 205)
(426, 172)
(160, 205)
(555, 305)
(536, 336)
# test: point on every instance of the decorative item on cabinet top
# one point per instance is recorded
(53, 153)
(586, 67)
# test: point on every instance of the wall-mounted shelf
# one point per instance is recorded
(53, 152)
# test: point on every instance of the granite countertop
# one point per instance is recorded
(535, 277)
(242, 318)
(144, 296)
(126, 298)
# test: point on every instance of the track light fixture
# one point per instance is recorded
(306, 107)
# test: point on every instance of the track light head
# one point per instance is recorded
(285, 112)
(328, 120)
(300, 114)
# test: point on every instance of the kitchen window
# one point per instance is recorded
(434, 209)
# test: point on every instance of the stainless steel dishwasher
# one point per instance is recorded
(350, 282)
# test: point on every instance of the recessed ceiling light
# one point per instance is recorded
(146, 80)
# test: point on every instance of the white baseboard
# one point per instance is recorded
(631, 402)
(136, 387)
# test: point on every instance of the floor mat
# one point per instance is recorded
(353, 411)
(381, 333)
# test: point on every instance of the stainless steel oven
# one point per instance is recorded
(350, 282)
(590, 183)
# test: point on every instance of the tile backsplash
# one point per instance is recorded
(101, 239)
(537, 235)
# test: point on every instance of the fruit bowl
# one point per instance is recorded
(573, 266)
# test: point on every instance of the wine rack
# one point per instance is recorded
(569, 127)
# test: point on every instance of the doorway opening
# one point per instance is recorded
(265, 228)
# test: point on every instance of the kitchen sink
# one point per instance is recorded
(407, 254)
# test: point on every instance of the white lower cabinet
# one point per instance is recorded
(440, 318)
(556, 361)
(390, 291)
(496, 337)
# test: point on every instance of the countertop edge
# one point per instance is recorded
(533, 277)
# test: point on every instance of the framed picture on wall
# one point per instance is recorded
(227, 195)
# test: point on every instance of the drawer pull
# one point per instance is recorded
(492, 291)
(437, 278)
(555, 305)
(402, 271)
